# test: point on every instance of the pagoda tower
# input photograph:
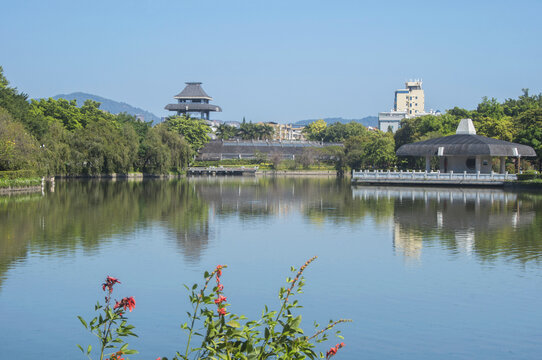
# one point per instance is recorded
(194, 101)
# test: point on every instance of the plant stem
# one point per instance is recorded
(299, 273)
(200, 297)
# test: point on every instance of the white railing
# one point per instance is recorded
(421, 176)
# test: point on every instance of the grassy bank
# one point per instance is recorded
(20, 182)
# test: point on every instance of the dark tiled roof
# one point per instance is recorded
(192, 107)
(465, 145)
(248, 147)
(193, 90)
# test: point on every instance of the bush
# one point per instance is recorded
(17, 174)
(529, 175)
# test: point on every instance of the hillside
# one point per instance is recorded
(366, 121)
(114, 107)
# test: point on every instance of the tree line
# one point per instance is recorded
(57, 137)
(246, 131)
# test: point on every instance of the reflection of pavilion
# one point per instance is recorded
(457, 217)
(193, 241)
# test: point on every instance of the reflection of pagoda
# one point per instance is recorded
(193, 101)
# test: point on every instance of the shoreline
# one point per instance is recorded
(296, 173)
(121, 176)
(20, 190)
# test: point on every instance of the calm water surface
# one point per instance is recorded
(424, 274)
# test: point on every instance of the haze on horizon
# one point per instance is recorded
(274, 61)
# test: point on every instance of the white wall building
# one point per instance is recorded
(409, 102)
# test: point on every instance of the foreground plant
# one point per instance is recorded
(110, 326)
(221, 334)
(276, 335)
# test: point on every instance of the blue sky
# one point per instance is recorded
(274, 60)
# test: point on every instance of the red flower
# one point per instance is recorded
(222, 311)
(109, 282)
(220, 299)
(116, 356)
(218, 271)
(220, 287)
(331, 352)
(127, 302)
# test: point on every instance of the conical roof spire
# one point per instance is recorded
(466, 127)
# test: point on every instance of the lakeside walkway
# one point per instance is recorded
(430, 178)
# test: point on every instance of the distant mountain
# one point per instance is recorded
(114, 107)
(366, 121)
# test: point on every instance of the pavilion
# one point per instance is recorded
(193, 100)
(464, 159)
(465, 151)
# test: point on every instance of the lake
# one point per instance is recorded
(423, 273)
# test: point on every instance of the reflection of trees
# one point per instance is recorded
(85, 214)
(318, 198)
(488, 223)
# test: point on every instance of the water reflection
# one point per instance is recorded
(87, 214)
(84, 215)
(485, 222)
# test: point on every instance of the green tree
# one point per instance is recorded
(226, 132)
(180, 152)
(316, 130)
(375, 150)
(531, 131)
(504, 128)
(489, 108)
(154, 155)
(65, 111)
(380, 150)
(57, 151)
(525, 102)
(18, 149)
(10, 99)
(195, 131)
(265, 132)
(339, 132)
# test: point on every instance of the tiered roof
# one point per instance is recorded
(193, 90)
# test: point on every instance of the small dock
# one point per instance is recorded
(222, 171)
(430, 178)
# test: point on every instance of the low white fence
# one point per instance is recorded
(407, 176)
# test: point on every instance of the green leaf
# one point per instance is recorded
(89, 349)
(128, 352)
(80, 347)
(233, 324)
(296, 322)
(83, 322)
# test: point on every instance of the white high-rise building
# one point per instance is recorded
(411, 99)
(409, 102)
